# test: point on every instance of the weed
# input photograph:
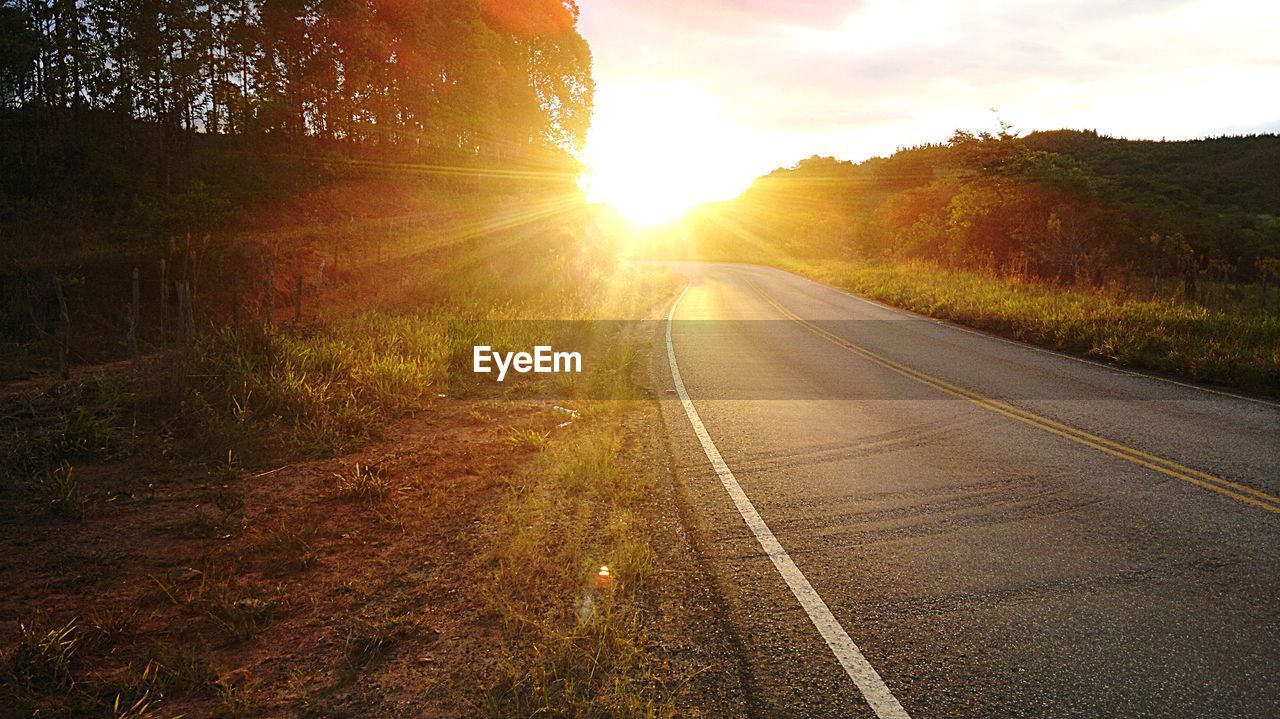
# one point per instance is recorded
(66, 497)
(369, 638)
(145, 707)
(291, 547)
(42, 657)
(235, 700)
(182, 671)
(228, 469)
(167, 588)
(367, 483)
(228, 502)
(147, 701)
(108, 626)
(239, 618)
(526, 438)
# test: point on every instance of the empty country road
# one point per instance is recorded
(907, 518)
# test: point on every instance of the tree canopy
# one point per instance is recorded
(1064, 205)
(447, 78)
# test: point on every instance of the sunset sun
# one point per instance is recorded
(656, 150)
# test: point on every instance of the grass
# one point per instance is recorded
(574, 570)
(239, 394)
(238, 618)
(107, 627)
(365, 483)
(370, 637)
(143, 700)
(529, 438)
(291, 547)
(1232, 347)
(66, 497)
(43, 655)
(241, 399)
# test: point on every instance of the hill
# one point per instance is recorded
(1067, 206)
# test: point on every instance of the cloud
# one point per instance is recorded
(859, 78)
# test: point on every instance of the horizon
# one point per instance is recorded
(760, 87)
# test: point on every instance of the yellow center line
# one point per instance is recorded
(1240, 492)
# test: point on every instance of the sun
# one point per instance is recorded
(655, 151)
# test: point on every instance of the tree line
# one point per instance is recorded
(1070, 207)
(458, 79)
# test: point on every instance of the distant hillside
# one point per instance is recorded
(1066, 205)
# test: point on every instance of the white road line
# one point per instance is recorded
(868, 681)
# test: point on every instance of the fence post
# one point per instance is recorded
(164, 302)
(297, 300)
(271, 289)
(185, 313)
(235, 302)
(63, 337)
(134, 311)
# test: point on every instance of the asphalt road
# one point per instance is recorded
(1000, 530)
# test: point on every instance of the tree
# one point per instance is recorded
(19, 50)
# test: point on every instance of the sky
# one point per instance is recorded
(696, 98)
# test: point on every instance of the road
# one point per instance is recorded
(994, 529)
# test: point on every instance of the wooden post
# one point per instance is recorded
(271, 289)
(134, 311)
(191, 311)
(297, 300)
(178, 290)
(235, 302)
(164, 302)
(185, 313)
(64, 332)
(1263, 269)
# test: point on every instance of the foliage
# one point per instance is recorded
(43, 656)
(573, 579)
(127, 124)
(362, 482)
(1237, 348)
(1074, 208)
(455, 77)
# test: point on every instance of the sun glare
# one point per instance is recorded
(655, 151)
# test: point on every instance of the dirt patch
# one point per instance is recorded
(354, 586)
(272, 592)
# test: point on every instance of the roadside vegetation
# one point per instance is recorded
(1228, 346)
(242, 464)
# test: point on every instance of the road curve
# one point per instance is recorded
(1001, 531)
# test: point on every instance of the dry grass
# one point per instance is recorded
(574, 573)
(245, 400)
(1237, 348)
(365, 483)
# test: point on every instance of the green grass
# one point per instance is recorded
(1237, 348)
(240, 398)
(323, 389)
(577, 630)
(578, 635)
(364, 483)
(529, 438)
(66, 497)
(43, 655)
